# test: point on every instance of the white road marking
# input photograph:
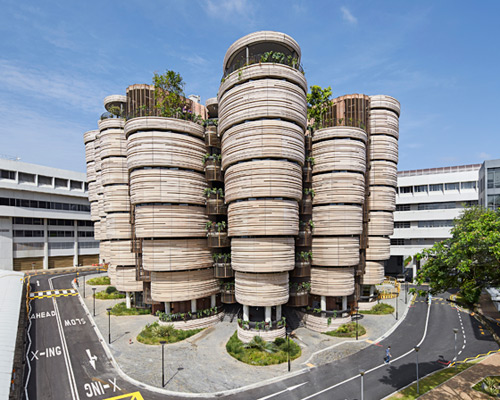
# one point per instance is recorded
(48, 292)
(379, 366)
(115, 386)
(67, 360)
(37, 283)
(42, 353)
(283, 391)
(460, 352)
(57, 292)
(34, 355)
(92, 359)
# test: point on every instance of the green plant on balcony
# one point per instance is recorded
(209, 226)
(311, 161)
(308, 192)
(318, 101)
(213, 157)
(169, 93)
(305, 256)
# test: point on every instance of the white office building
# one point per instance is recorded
(427, 201)
(44, 218)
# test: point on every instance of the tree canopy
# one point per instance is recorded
(317, 102)
(469, 260)
(169, 93)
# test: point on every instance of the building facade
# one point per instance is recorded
(44, 218)
(489, 184)
(427, 201)
(251, 206)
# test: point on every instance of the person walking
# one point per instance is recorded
(388, 355)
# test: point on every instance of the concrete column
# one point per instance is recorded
(247, 54)
(268, 314)
(213, 301)
(246, 313)
(278, 312)
(344, 302)
(193, 305)
(75, 244)
(45, 244)
(128, 301)
(323, 303)
(372, 290)
(168, 309)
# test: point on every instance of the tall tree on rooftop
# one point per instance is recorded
(170, 99)
(317, 102)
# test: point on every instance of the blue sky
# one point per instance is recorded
(440, 59)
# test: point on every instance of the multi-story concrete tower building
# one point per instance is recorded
(262, 120)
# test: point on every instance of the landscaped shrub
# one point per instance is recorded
(110, 289)
(348, 330)
(109, 294)
(121, 309)
(100, 280)
(154, 333)
(260, 352)
(379, 309)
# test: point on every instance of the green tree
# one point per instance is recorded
(170, 99)
(469, 260)
(317, 102)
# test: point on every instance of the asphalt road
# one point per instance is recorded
(75, 366)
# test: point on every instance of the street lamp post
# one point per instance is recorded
(287, 349)
(455, 331)
(417, 348)
(162, 342)
(109, 324)
(357, 316)
(406, 291)
(397, 298)
(361, 374)
(83, 286)
(93, 295)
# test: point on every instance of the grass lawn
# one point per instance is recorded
(492, 384)
(379, 309)
(100, 280)
(121, 309)
(260, 352)
(153, 333)
(430, 382)
(347, 330)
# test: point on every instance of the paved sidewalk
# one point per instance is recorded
(460, 386)
(201, 364)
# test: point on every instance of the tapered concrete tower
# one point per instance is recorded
(262, 119)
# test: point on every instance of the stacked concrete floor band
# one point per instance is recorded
(147, 184)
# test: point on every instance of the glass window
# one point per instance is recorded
(436, 206)
(452, 186)
(6, 174)
(469, 185)
(421, 189)
(435, 224)
(26, 178)
(436, 188)
(397, 242)
(399, 225)
(402, 207)
(494, 201)
(406, 189)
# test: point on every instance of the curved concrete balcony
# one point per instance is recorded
(91, 176)
(170, 221)
(90, 136)
(263, 178)
(94, 211)
(262, 37)
(338, 187)
(97, 160)
(384, 147)
(264, 71)
(385, 102)
(103, 249)
(263, 217)
(195, 323)
(118, 226)
(109, 124)
(334, 220)
(183, 285)
(212, 138)
(383, 173)
(380, 223)
(161, 185)
(92, 191)
(379, 248)
(274, 254)
(263, 139)
(162, 124)
(119, 252)
(114, 171)
(97, 230)
(100, 205)
(262, 99)
(332, 281)
(246, 335)
(327, 323)
(374, 273)
(261, 290)
(165, 149)
(212, 107)
(382, 198)
(112, 143)
(175, 255)
(112, 273)
(339, 155)
(213, 172)
(339, 132)
(342, 251)
(381, 119)
(116, 198)
(89, 152)
(114, 100)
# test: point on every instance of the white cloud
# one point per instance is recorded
(228, 8)
(347, 16)
(484, 156)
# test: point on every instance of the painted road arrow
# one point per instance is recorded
(92, 359)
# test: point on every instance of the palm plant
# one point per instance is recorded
(260, 344)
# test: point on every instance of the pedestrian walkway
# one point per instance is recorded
(201, 362)
(460, 386)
